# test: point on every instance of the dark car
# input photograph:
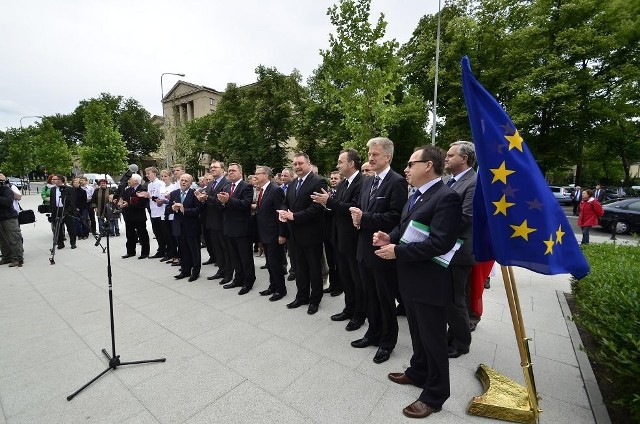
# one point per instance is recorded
(625, 212)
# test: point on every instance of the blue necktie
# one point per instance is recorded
(414, 199)
(374, 189)
(183, 194)
(451, 181)
(298, 186)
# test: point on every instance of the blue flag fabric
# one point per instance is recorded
(517, 221)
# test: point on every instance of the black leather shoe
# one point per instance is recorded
(363, 342)
(143, 256)
(297, 303)
(472, 326)
(263, 267)
(327, 290)
(336, 293)
(291, 277)
(127, 256)
(340, 317)
(180, 276)
(73, 246)
(61, 246)
(400, 310)
(156, 256)
(209, 262)
(353, 325)
(232, 285)
(487, 283)
(277, 296)
(244, 290)
(382, 355)
(194, 278)
(216, 276)
(225, 281)
(454, 352)
(312, 309)
(266, 292)
(164, 259)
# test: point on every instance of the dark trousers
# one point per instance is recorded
(220, 252)
(242, 260)
(161, 236)
(172, 247)
(380, 288)
(137, 231)
(92, 219)
(354, 298)
(291, 250)
(274, 252)
(335, 285)
(458, 334)
(190, 259)
(309, 273)
(429, 365)
(206, 235)
(60, 222)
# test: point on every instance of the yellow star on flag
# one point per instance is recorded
(515, 141)
(522, 230)
(549, 244)
(559, 234)
(501, 173)
(502, 205)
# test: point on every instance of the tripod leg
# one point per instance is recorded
(146, 361)
(72, 395)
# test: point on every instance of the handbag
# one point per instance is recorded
(26, 216)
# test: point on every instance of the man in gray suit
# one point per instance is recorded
(459, 162)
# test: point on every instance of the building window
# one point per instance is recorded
(212, 101)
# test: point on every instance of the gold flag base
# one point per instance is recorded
(503, 399)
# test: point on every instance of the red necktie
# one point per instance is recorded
(260, 197)
(233, 188)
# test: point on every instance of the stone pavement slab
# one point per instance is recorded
(236, 359)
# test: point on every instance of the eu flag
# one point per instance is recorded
(516, 218)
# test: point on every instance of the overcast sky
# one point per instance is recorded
(56, 53)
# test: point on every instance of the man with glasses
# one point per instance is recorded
(382, 198)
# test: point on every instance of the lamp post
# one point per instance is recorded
(166, 147)
(25, 180)
(435, 85)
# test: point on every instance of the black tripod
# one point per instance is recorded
(114, 360)
(58, 215)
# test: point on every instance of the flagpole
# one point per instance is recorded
(435, 84)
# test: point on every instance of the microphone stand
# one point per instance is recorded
(114, 360)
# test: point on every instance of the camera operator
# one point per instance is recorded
(63, 206)
(10, 234)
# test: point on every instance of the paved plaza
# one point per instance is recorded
(237, 359)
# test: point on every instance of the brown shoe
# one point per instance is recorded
(401, 378)
(419, 409)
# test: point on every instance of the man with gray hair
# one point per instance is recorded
(134, 212)
(459, 161)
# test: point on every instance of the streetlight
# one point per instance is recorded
(30, 116)
(166, 148)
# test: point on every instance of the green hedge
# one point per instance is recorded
(608, 306)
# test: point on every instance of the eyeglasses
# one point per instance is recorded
(412, 162)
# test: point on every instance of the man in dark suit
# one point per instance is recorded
(345, 237)
(425, 286)
(63, 208)
(186, 226)
(576, 198)
(213, 211)
(271, 232)
(600, 193)
(460, 159)
(236, 200)
(134, 212)
(287, 176)
(330, 251)
(306, 228)
(382, 198)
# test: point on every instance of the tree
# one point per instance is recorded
(102, 150)
(20, 158)
(52, 155)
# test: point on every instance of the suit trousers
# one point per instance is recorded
(332, 263)
(309, 273)
(158, 229)
(429, 365)
(136, 231)
(190, 256)
(63, 221)
(172, 247)
(380, 289)
(458, 334)
(220, 252)
(274, 252)
(354, 298)
(241, 254)
(291, 249)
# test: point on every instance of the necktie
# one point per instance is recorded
(260, 197)
(451, 181)
(414, 199)
(233, 188)
(284, 188)
(183, 194)
(374, 188)
(298, 186)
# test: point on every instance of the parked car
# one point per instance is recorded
(625, 212)
(615, 193)
(18, 182)
(562, 194)
(94, 178)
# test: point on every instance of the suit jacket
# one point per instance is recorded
(419, 278)
(237, 211)
(68, 198)
(465, 187)
(213, 209)
(307, 228)
(136, 210)
(345, 234)
(380, 214)
(187, 223)
(269, 226)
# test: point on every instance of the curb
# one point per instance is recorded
(598, 408)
